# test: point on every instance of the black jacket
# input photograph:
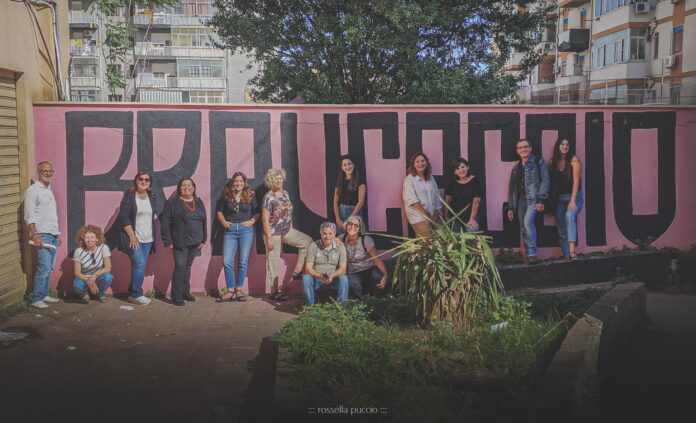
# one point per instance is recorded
(172, 227)
(126, 216)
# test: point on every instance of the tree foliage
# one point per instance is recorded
(382, 51)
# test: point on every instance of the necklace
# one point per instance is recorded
(193, 201)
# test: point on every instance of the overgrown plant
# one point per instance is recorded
(442, 275)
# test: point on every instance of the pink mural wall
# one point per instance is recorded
(638, 167)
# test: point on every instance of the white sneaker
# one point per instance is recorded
(48, 299)
(39, 304)
(142, 300)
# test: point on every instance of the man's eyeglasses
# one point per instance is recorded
(46, 172)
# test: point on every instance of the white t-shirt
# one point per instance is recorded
(89, 262)
(143, 219)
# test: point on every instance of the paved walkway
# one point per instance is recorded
(99, 362)
(657, 379)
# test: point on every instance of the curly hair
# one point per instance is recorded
(96, 230)
(246, 195)
(269, 180)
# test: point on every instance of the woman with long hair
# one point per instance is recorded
(137, 237)
(276, 215)
(92, 264)
(366, 270)
(566, 170)
(349, 192)
(237, 212)
(184, 223)
(420, 193)
(463, 195)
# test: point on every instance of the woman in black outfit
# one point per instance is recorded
(464, 193)
(137, 237)
(184, 223)
(349, 193)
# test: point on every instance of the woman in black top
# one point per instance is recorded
(349, 193)
(565, 170)
(137, 237)
(184, 223)
(463, 193)
(237, 212)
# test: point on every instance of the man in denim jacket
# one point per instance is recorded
(528, 189)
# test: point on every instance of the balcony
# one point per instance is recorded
(514, 62)
(575, 70)
(167, 20)
(155, 51)
(574, 40)
(149, 80)
(80, 18)
(202, 83)
(569, 4)
(85, 82)
(86, 50)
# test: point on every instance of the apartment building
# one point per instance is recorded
(173, 59)
(617, 52)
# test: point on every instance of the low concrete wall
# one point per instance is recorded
(652, 266)
(589, 349)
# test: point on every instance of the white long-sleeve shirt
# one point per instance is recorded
(418, 190)
(40, 208)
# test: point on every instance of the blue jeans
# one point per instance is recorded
(526, 214)
(237, 237)
(138, 263)
(103, 282)
(47, 258)
(364, 282)
(310, 284)
(344, 210)
(568, 221)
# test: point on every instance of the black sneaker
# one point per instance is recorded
(190, 298)
(179, 302)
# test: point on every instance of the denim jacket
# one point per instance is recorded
(536, 182)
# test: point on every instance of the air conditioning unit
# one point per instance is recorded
(670, 62)
(548, 46)
(642, 7)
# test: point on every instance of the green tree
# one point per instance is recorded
(383, 51)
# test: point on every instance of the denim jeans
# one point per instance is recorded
(47, 258)
(526, 214)
(344, 210)
(365, 281)
(310, 284)
(138, 263)
(237, 237)
(567, 221)
(103, 282)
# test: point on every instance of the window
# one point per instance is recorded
(205, 96)
(656, 45)
(84, 95)
(191, 37)
(583, 19)
(83, 67)
(638, 43)
(619, 52)
(674, 94)
(677, 39)
(186, 68)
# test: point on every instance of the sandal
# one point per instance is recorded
(573, 256)
(240, 295)
(230, 296)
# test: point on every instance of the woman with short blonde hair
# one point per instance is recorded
(92, 264)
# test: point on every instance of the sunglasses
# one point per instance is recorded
(94, 259)
(357, 225)
(141, 179)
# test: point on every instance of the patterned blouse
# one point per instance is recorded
(280, 212)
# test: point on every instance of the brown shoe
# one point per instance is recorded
(533, 260)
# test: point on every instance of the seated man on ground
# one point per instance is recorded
(325, 265)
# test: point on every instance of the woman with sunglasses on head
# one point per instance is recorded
(565, 171)
(366, 270)
(184, 224)
(137, 237)
(463, 195)
(421, 197)
(92, 264)
(349, 192)
(237, 212)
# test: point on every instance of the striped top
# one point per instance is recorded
(91, 263)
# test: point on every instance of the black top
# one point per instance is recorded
(521, 190)
(126, 216)
(181, 226)
(237, 212)
(349, 198)
(463, 195)
(561, 183)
